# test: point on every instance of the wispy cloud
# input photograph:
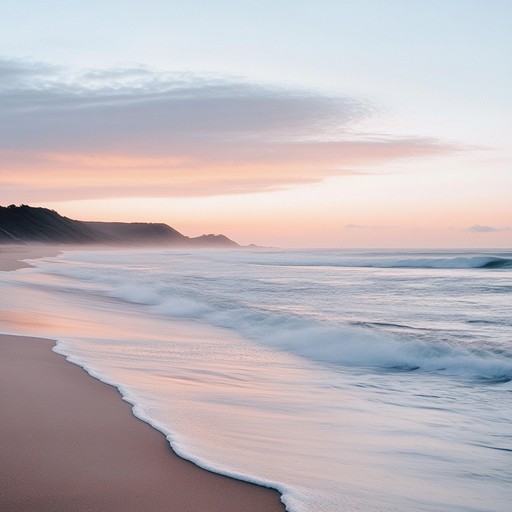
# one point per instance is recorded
(67, 134)
(478, 228)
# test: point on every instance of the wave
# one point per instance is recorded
(341, 345)
(369, 346)
(325, 342)
(498, 263)
(458, 262)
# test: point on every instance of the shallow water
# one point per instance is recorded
(350, 380)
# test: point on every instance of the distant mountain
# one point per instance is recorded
(23, 224)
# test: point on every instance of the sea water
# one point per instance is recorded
(349, 380)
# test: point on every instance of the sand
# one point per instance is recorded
(10, 255)
(70, 443)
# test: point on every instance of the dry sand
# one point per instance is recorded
(70, 443)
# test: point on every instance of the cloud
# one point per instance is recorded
(477, 228)
(67, 134)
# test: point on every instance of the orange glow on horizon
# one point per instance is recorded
(292, 205)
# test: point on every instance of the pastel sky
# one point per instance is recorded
(296, 123)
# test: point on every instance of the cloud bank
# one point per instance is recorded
(68, 134)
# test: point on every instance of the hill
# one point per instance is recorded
(27, 224)
(24, 224)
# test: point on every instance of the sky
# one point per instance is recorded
(291, 123)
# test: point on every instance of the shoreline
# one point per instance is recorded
(11, 255)
(70, 442)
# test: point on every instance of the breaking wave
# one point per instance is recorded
(457, 262)
(322, 341)
(364, 348)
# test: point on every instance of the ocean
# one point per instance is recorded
(348, 380)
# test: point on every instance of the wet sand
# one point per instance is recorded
(11, 255)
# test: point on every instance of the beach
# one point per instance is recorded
(347, 380)
(11, 256)
(69, 442)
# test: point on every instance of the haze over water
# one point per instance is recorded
(370, 381)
